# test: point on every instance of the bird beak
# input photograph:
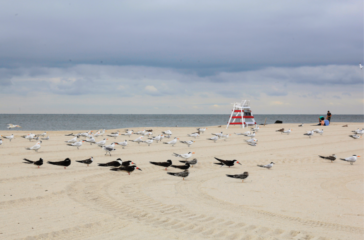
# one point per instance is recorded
(238, 162)
(107, 139)
(358, 156)
(132, 163)
(193, 153)
(138, 169)
(177, 138)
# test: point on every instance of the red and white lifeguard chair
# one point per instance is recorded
(243, 112)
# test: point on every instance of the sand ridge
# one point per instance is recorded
(301, 197)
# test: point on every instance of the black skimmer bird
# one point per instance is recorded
(166, 164)
(301, 125)
(116, 163)
(192, 162)
(183, 167)
(269, 166)
(239, 176)
(331, 158)
(351, 159)
(65, 163)
(86, 161)
(128, 169)
(228, 163)
(183, 174)
(36, 163)
(346, 125)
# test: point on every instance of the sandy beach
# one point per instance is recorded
(301, 197)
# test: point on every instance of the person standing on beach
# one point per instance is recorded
(328, 115)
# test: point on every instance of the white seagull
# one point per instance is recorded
(201, 130)
(128, 133)
(73, 140)
(195, 135)
(269, 166)
(76, 144)
(91, 140)
(217, 134)
(108, 149)
(251, 135)
(11, 126)
(138, 140)
(140, 132)
(168, 132)
(148, 141)
(173, 142)
(256, 129)
(287, 131)
(46, 138)
(319, 131)
(189, 143)
(114, 135)
(251, 140)
(309, 133)
(8, 137)
(157, 138)
(225, 136)
(184, 156)
(36, 147)
(215, 138)
(102, 142)
(351, 159)
(355, 136)
(123, 144)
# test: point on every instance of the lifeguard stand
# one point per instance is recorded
(241, 111)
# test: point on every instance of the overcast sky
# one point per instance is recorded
(181, 56)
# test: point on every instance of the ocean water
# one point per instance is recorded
(49, 122)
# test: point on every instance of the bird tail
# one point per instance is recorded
(165, 142)
(114, 169)
(102, 165)
(28, 161)
(176, 154)
(260, 165)
(322, 157)
(54, 163)
(183, 161)
(229, 175)
(342, 159)
(171, 173)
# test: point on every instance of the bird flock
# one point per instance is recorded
(129, 166)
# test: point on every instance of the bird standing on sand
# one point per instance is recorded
(309, 133)
(183, 167)
(91, 140)
(108, 149)
(76, 144)
(301, 125)
(65, 163)
(166, 164)
(185, 156)
(287, 131)
(8, 137)
(116, 163)
(214, 138)
(269, 166)
(138, 140)
(239, 176)
(73, 140)
(331, 158)
(192, 162)
(173, 142)
(128, 133)
(148, 141)
(157, 138)
(36, 147)
(46, 138)
(114, 135)
(351, 159)
(183, 174)
(189, 143)
(36, 163)
(355, 136)
(128, 169)
(195, 135)
(123, 144)
(228, 163)
(102, 142)
(1, 141)
(319, 131)
(202, 130)
(86, 161)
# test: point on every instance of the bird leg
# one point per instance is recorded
(64, 167)
(129, 173)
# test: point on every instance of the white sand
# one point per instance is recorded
(302, 197)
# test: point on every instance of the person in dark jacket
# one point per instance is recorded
(328, 115)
